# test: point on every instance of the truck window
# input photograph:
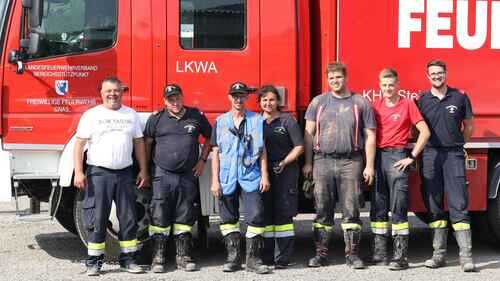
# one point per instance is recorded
(214, 24)
(76, 26)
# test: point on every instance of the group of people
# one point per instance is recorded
(255, 161)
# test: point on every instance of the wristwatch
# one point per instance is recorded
(413, 157)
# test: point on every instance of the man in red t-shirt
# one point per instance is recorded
(395, 117)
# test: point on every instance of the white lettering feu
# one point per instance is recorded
(446, 19)
(437, 22)
(196, 67)
(407, 23)
(495, 21)
(477, 40)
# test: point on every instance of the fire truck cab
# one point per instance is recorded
(55, 52)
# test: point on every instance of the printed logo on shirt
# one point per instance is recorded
(190, 128)
(280, 130)
(452, 109)
(395, 117)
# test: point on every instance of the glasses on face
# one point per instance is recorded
(238, 97)
(436, 74)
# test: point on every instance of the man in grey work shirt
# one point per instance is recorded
(339, 127)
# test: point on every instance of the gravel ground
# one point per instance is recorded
(34, 248)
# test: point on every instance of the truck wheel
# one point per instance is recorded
(65, 218)
(64, 213)
(480, 226)
(112, 242)
(494, 217)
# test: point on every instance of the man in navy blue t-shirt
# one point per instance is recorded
(448, 113)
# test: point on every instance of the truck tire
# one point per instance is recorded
(494, 218)
(64, 214)
(112, 250)
(65, 217)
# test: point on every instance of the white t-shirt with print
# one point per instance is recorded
(110, 135)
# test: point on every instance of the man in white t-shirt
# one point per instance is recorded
(112, 132)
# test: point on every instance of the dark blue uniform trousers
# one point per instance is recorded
(443, 171)
(280, 206)
(175, 202)
(104, 186)
(390, 193)
(253, 206)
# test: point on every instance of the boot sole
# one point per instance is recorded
(377, 263)
(157, 268)
(259, 272)
(399, 268)
(187, 269)
(133, 271)
(232, 269)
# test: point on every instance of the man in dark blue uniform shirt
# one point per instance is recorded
(172, 142)
(448, 113)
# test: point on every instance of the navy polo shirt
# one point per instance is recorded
(176, 147)
(281, 136)
(444, 117)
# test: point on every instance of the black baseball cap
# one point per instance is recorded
(240, 88)
(172, 89)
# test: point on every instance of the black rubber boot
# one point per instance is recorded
(321, 241)
(233, 248)
(379, 250)
(439, 243)
(464, 241)
(352, 239)
(129, 264)
(183, 246)
(286, 247)
(400, 257)
(254, 252)
(159, 252)
(268, 251)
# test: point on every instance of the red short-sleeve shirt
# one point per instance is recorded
(394, 123)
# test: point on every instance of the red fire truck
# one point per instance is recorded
(54, 53)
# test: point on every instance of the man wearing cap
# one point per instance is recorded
(340, 131)
(112, 131)
(172, 142)
(239, 169)
(448, 112)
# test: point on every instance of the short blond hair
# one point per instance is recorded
(388, 73)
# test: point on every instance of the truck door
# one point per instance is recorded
(82, 41)
(211, 44)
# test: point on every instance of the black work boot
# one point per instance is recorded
(129, 264)
(439, 243)
(94, 265)
(464, 241)
(233, 248)
(183, 245)
(268, 251)
(379, 250)
(254, 252)
(321, 241)
(286, 247)
(400, 257)
(159, 252)
(352, 239)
